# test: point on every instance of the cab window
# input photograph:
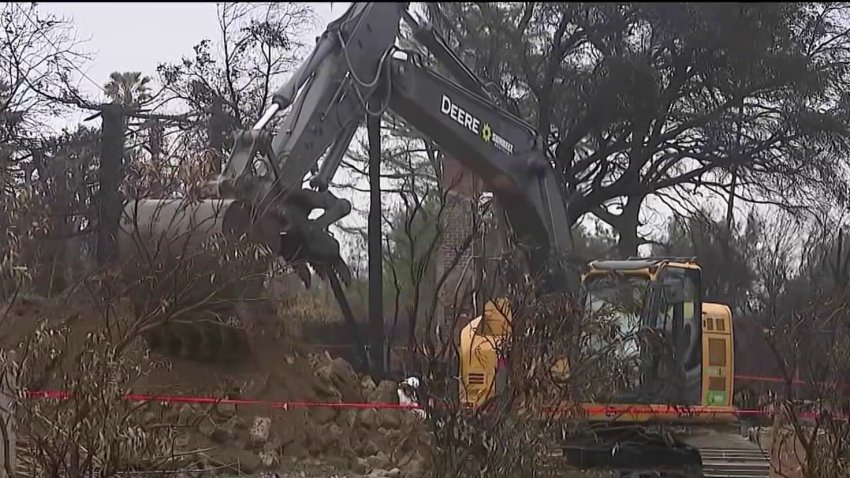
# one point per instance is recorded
(687, 334)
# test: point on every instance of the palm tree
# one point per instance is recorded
(128, 88)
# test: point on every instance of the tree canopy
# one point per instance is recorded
(640, 100)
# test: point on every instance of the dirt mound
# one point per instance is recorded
(253, 437)
(249, 437)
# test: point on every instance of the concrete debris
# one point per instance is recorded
(260, 432)
(250, 439)
(369, 442)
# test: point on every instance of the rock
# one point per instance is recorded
(293, 427)
(286, 436)
(386, 392)
(321, 365)
(367, 384)
(296, 451)
(411, 419)
(269, 458)
(342, 370)
(345, 449)
(226, 409)
(334, 432)
(273, 445)
(186, 416)
(346, 418)
(206, 427)
(360, 466)
(368, 417)
(393, 473)
(322, 438)
(415, 467)
(326, 390)
(380, 460)
(395, 436)
(391, 419)
(369, 448)
(270, 454)
(223, 435)
(238, 423)
(246, 461)
(259, 433)
(323, 415)
(344, 379)
(182, 441)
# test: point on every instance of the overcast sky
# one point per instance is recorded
(139, 36)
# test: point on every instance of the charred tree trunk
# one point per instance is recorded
(111, 173)
(155, 147)
(730, 204)
(627, 227)
(215, 133)
(376, 293)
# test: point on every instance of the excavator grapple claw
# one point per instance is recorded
(189, 243)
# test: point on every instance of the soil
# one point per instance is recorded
(248, 439)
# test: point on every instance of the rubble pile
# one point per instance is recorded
(252, 438)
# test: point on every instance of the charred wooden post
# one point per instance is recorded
(376, 292)
(8, 426)
(111, 173)
(215, 132)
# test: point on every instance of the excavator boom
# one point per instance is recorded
(356, 70)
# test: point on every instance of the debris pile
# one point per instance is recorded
(374, 442)
(250, 438)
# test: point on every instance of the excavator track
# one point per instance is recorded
(734, 463)
(726, 454)
(554, 465)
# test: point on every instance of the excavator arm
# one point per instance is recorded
(355, 70)
(504, 151)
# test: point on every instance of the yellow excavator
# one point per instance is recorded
(669, 292)
(669, 296)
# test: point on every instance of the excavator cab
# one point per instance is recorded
(680, 349)
(655, 307)
(691, 363)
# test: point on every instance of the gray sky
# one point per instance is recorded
(138, 36)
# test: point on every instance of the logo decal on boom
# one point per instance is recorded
(473, 124)
(486, 133)
(460, 115)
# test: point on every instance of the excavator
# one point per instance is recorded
(357, 69)
(701, 332)
(640, 294)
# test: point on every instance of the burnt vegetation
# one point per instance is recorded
(718, 131)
